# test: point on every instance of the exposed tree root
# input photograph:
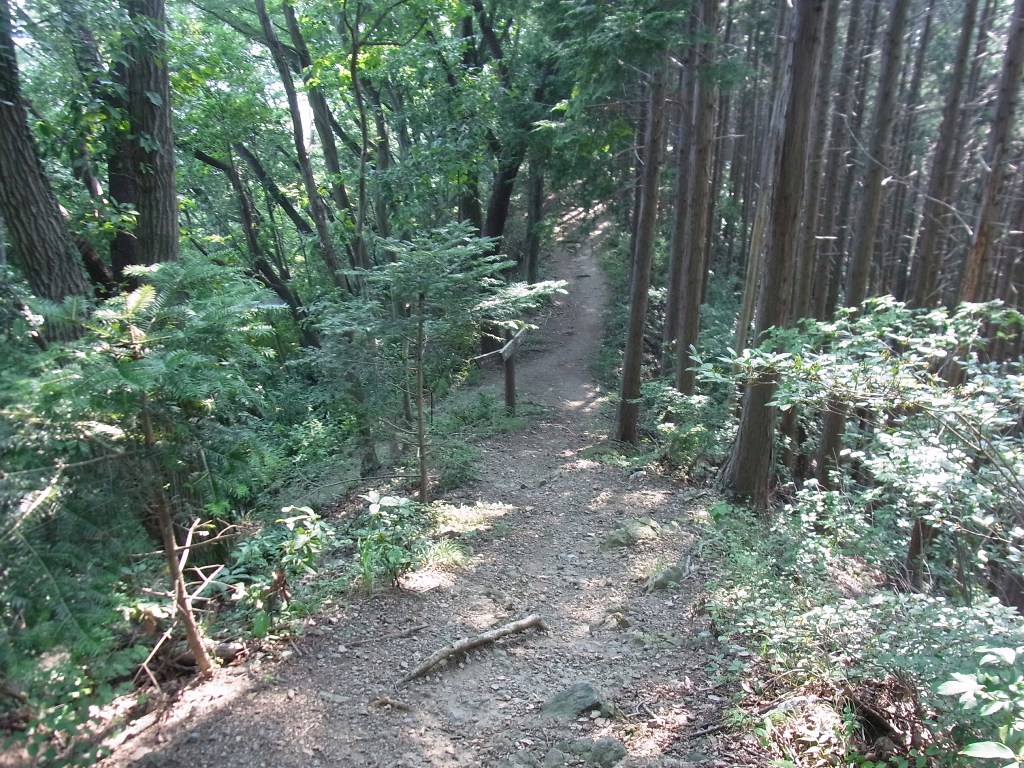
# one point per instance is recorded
(469, 643)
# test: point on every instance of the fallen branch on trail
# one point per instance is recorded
(469, 643)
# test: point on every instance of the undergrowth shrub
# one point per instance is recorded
(831, 590)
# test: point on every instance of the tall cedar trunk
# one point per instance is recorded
(807, 256)
(896, 256)
(682, 188)
(316, 205)
(701, 200)
(972, 287)
(881, 131)
(793, 455)
(149, 113)
(828, 258)
(766, 176)
(844, 211)
(739, 160)
(629, 409)
(925, 271)
(748, 470)
(42, 246)
(967, 156)
(834, 421)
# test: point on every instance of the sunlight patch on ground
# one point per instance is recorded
(592, 399)
(460, 518)
(427, 579)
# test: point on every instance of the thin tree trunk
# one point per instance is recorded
(316, 204)
(262, 269)
(925, 272)
(878, 156)
(701, 200)
(629, 408)
(682, 188)
(165, 521)
(844, 214)
(301, 225)
(534, 219)
(896, 256)
(829, 257)
(807, 255)
(834, 421)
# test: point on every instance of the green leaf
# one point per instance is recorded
(261, 624)
(995, 655)
(961, 684)
(988, 750)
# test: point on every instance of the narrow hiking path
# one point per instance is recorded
(542, 511)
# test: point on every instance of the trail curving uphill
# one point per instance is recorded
(641, 663)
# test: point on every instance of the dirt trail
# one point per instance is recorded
(543, 509)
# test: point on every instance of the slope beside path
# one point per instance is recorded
(630, 667)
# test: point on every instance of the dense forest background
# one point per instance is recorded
(243, 248)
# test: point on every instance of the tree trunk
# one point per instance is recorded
(854, 122)
(925, 272)
(897, 253)
(829, 257)
(42, 246)
(534, 219)
(807, 258)
(261, 267)
(767, 175)
(629, 409)
(995, 160)
(701, 200)
(149, 113)
(301, 225)
(682, 189)
(748, 470)
(878, 153)
(316, 203)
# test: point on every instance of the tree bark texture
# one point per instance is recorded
(149, 112)
(629, 408)
(972, 288)
(695, 265)
(766, 177)
(42, 246)
(878, 156)
(682, 188)
(925, 272)
(747, 471)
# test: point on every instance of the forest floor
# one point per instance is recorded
(644, 673)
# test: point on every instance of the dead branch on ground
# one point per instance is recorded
(469, 643)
